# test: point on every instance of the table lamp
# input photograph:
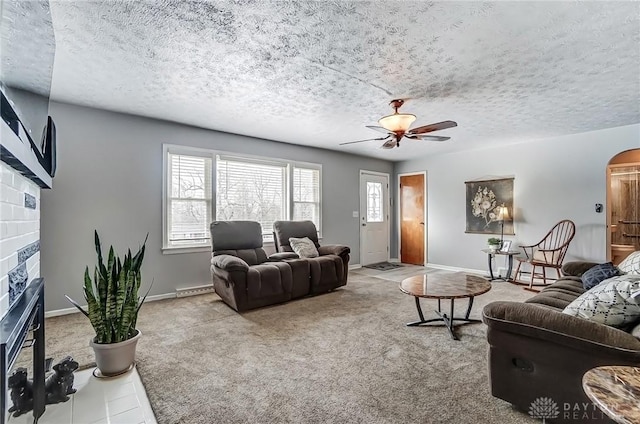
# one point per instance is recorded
(503, 214)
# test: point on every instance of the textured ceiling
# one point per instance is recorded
(315, 72)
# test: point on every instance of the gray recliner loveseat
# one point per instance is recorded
(245, 278)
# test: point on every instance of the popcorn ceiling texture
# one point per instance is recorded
(28, 25)
(315, 73)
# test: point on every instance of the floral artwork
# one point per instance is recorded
(483, 200)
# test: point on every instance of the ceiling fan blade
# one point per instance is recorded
(362, 141)
(428, 137)
(390, 144)
(433, 127)
(377, 128)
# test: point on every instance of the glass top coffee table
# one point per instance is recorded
(445, 286)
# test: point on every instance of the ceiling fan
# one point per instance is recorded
(396, 126)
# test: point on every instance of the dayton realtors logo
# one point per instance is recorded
(546, 408)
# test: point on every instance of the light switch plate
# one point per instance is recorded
(355, 214)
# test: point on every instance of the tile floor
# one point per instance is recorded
(119, 400)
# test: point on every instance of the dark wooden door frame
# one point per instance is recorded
(399, 211)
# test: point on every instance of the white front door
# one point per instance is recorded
(374, 218)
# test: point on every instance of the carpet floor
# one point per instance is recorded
(342, 357)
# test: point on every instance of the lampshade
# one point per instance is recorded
(503, 213)
(397, 121)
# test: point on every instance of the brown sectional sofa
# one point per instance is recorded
(245, 278)
(537, 351)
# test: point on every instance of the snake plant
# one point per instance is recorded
(112, 296)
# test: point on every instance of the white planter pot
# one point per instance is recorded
(494, 247)
(115, 358)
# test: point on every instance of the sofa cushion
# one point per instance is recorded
(303, 247)
(597, 274)
(283, 230)
(560, 294)
(635, 331)
(631, 264)
(613, 302)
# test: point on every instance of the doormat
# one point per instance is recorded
(383, 266)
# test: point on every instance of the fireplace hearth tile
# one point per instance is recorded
(28, 251)
(29, 201)
(18, 277)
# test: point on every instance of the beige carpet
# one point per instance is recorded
(342, 357)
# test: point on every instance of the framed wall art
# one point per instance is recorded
(483, 201)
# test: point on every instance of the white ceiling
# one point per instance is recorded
(315, 72)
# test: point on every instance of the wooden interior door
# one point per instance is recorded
(412, 224)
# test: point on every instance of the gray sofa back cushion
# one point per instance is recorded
(232, 235)
(238, 238)
(283, 230)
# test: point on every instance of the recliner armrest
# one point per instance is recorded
(333, 249)
(229, 263)
(276, 257)
(577, 268)
(546, 324)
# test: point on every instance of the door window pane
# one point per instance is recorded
(375, 210)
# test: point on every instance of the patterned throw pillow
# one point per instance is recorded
(303, 247)
(613, 302)
(597, 274)
(631, 264)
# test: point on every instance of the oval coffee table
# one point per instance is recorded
(445, 286)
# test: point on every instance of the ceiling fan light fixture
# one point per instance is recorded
(398, 122)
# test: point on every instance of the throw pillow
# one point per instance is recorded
(613, 302)
(593, 276)
(631, 264)
(303, 247)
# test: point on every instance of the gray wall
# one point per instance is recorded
(555, 178)
(109, 178)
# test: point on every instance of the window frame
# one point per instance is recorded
(289, 166)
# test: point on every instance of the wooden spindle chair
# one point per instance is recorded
(547, 253)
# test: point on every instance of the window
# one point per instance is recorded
(189, 200)
(246, 188)
(252, 191)
(375, 211)
(306, 194)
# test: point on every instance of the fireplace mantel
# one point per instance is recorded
(19, 155)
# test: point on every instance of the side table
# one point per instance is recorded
(616, 391)
(510, 254)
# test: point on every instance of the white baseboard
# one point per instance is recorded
(394, 260)
(67, 311)
(354, 266)
(457, 269)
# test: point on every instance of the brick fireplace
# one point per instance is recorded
(19, 235)
(21, 287)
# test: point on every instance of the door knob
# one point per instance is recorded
(364, 225)
(422, 223)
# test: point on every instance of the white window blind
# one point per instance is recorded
(306, 194)
(251, 190)
(189, 200)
